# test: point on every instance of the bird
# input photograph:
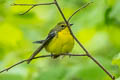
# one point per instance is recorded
(59, 41)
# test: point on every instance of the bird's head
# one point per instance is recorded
(61, 25)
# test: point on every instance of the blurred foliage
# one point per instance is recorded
(97, 27)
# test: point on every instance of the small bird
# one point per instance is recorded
(58, 41)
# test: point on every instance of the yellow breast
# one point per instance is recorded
(63, 42)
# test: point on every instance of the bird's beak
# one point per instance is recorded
(71, 24)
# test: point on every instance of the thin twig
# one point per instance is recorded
(87, 53)
(57, 5)
(27, 10)
(14, 4)
(101, 66)
(13, 66)
(84, 6)
(40, 57)
(32, 6)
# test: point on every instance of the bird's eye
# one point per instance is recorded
(62, 25)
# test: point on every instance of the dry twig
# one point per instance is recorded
(32, 6)
(43, 56)
(84, 6)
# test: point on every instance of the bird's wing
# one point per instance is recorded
(49, 37)
(51, 33)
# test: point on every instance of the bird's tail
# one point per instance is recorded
(44, 42)
(35, 53)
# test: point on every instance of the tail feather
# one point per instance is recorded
(39, 42)
(35, 53)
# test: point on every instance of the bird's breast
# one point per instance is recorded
(63, 42)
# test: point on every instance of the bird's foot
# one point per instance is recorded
(67, 54)
(52, 55)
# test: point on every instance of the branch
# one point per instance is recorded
(87, 53)
(84, 6)
(14, 4)
(27, 10)
(43, 56)
(32, 6)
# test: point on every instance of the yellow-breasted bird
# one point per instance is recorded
(58, 41)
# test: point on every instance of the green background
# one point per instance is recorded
(97, 27)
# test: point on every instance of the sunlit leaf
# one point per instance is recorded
(9, 34)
